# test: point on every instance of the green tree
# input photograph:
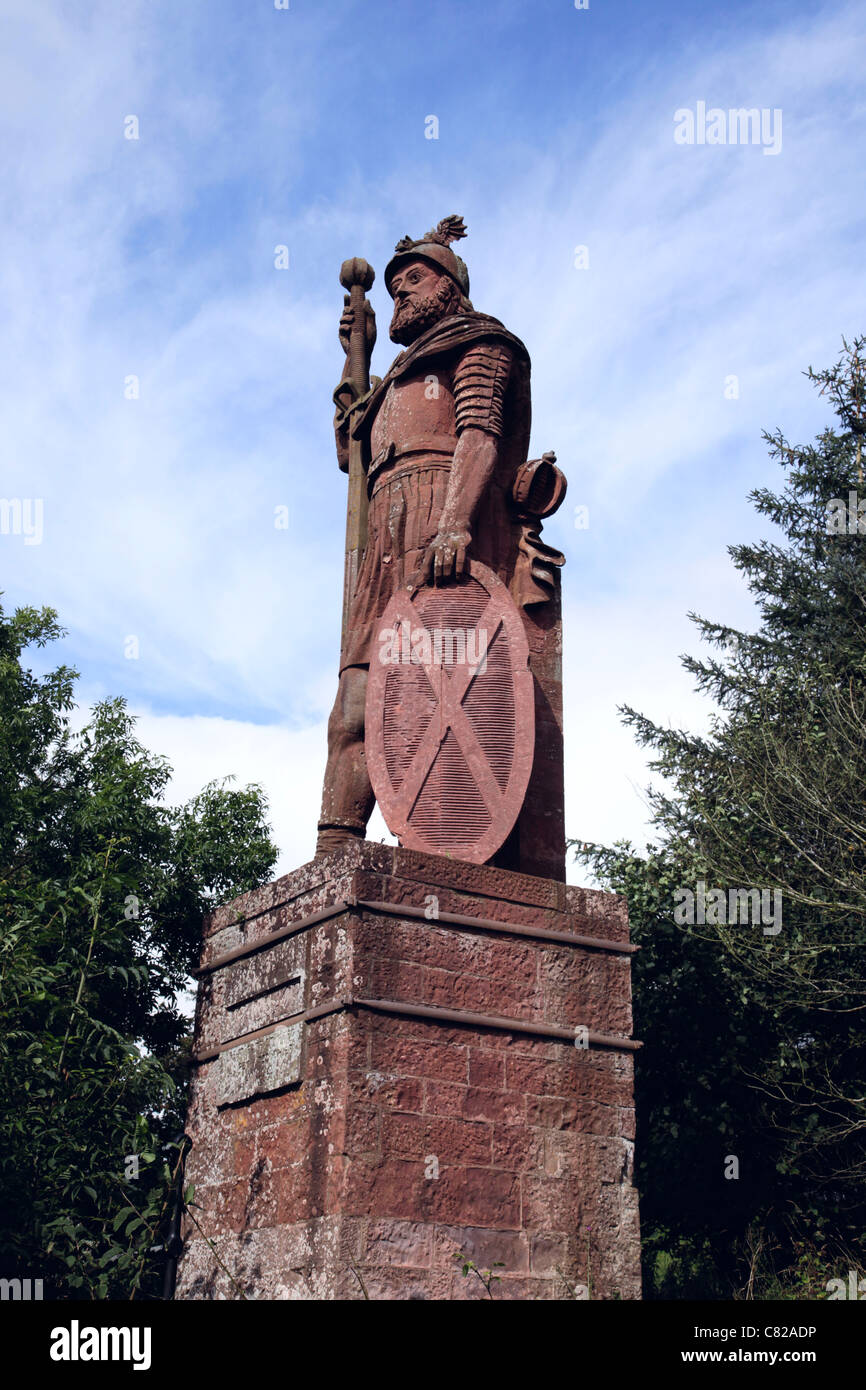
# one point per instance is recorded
(768, 1027)
(102, 891)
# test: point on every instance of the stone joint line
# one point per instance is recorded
(406, 1010)
(595, 943)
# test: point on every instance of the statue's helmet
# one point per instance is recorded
(433, 247)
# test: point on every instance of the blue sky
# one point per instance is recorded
(305, 127)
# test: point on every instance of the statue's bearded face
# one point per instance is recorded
(422, 296)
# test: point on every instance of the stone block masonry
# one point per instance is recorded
(350, 1135)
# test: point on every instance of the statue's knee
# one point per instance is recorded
(347, 717)
(354, 691)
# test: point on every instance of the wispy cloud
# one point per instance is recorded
(154, 259)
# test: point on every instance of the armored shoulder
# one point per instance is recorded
(480, 382)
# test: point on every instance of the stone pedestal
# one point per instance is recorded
(351, 1135)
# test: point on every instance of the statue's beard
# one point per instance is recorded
(414, 316)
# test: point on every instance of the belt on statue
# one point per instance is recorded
(425, 444)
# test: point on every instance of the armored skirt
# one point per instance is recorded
(405, 507)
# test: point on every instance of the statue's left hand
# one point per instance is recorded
(446, 556)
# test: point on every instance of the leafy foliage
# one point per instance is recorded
(754, 1044)
(102, 890)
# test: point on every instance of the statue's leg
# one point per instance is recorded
(347, 799)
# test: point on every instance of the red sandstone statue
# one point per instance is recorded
(304, 978)
(436, 453)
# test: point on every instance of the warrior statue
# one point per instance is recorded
(439, 447)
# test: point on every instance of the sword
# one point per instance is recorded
(356, 276)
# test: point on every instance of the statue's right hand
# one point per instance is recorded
(347, 319)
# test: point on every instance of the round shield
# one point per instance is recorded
(450, 716)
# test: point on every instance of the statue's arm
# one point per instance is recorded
(346, 395)
(473, 467)
(480, 382)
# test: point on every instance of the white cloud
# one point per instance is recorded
(156, 258)
(288, 763)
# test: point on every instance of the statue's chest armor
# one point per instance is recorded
(417, 412)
